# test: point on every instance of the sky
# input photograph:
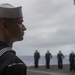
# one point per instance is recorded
(50, 26)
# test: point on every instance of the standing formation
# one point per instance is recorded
(60, 56)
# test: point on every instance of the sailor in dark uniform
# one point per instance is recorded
(71, 59)
(36, 58)
(48, 56)
(60, 57)
(11, 30)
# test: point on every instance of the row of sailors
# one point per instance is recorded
(60, 58)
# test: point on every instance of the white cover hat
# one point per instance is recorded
(9, 11)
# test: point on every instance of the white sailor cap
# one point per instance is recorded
(9, 11)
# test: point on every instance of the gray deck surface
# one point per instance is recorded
(41, 70)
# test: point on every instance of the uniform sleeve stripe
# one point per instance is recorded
(14, 64)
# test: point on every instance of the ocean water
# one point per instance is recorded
(29, 60)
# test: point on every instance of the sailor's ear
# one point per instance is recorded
(3, 24)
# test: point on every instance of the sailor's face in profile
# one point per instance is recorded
(16, 29)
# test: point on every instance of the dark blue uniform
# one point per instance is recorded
(10, 64)
(60, 57)
(71, 59)
(36, 58)
(48, 56)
